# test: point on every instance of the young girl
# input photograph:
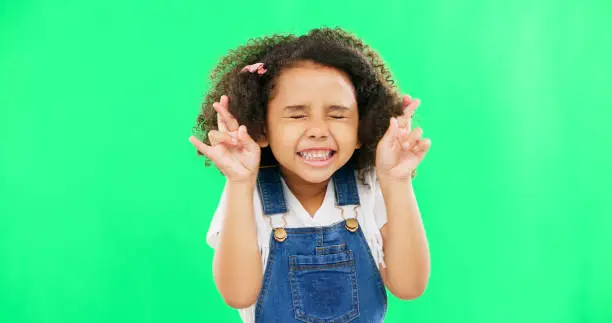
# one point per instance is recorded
(318, 153)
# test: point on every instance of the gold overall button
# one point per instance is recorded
(351, 225)
(280, 234)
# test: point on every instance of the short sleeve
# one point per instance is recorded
(212, 236)
(380, 210)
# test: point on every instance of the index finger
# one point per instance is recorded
(226, 117)
(220, 124)
(406, 100)
(410, 105)
(409, 112)
(223, 127)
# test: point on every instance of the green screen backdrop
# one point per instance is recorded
(104, 205)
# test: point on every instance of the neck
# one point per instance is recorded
(310, 195)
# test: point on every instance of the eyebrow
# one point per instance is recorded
(338, 108)
(294, 108)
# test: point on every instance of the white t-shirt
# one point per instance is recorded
(371, 216)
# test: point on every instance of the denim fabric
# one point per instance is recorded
(319, 274)
(271, 191)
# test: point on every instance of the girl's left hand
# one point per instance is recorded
(401, 150)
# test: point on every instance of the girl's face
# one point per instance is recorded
(312, 122)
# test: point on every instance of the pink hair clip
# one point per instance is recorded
(257, 67)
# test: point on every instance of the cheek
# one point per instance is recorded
(285, 135)
(345, 134)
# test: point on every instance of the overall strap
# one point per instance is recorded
(271, 191)
(345, 185)
(273, 198)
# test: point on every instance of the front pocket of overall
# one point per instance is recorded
(324, 287)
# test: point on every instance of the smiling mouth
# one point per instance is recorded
(316, 155)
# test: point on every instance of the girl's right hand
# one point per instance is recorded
(232, 150)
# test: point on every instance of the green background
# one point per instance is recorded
(104, 205)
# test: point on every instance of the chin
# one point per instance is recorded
(315, 174)
(315, 178)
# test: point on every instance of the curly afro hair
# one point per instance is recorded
(249, 93)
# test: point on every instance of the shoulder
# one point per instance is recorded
(216, 223)
(366, 182)
(371, 197)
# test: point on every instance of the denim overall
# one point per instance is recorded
(318, 274)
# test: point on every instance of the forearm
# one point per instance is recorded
(237, 261)
(405, 246)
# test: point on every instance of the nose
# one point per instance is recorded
(317, 129)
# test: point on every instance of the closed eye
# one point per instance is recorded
(299, 116)
(338, 117)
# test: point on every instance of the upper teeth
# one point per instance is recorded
(316, 154)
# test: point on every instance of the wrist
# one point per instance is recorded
(242, 185)
(390, 179)
(388, 183)
(245, 180)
